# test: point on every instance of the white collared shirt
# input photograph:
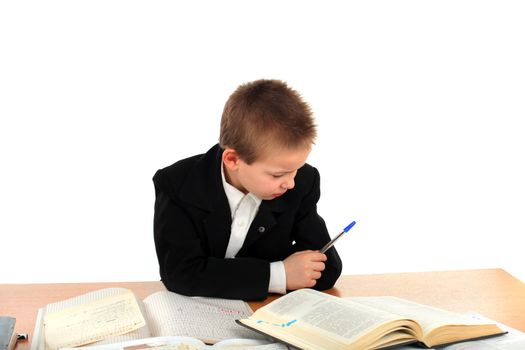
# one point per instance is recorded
(243, 208)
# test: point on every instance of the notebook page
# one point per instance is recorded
(208, 319)
(83, 299)
(93, 321)
(143, 332)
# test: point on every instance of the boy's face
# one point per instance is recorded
(270, 176)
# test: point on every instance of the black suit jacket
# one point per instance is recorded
(192, 226)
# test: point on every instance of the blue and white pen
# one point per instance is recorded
(331, 243)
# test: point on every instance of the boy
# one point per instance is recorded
(240, 221)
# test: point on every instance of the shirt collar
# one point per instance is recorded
(234, 195)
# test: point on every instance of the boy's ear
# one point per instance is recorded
(231, 158)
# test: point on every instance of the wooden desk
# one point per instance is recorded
(492, 292)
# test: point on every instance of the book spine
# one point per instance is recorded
(7, 333)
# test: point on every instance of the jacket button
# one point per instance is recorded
(261, 229)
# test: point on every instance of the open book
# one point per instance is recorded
(308, 319)
(115, 315)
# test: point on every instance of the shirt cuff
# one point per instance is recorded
(277, 278)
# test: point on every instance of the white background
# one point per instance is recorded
(419, 107)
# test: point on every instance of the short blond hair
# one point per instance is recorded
(263, 114)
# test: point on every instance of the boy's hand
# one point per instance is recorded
(303, 269)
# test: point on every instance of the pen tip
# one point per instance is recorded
(349, 226)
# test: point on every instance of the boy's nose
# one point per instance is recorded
(289, 184)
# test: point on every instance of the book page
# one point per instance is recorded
(428, 317)
(208, 319)
(339, 317)
(92, 321)
(513, 340)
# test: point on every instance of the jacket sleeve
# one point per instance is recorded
(311, 233)
(186, 263)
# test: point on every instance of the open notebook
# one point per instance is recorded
(162, 313)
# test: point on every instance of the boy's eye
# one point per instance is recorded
(276, 176)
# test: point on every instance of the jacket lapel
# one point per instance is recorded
(264, 221)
